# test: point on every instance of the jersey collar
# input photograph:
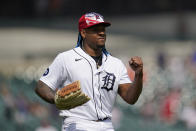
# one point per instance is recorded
(88, 57)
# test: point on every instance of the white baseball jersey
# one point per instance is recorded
(101, 84)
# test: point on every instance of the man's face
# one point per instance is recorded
(95, 36)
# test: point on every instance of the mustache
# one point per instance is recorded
(102, 35)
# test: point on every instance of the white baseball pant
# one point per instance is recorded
(78, 124)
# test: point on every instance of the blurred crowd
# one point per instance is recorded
(169, 91)
(22, 110)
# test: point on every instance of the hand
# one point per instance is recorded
(136, 64)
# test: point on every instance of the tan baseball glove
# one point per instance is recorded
(70, 96)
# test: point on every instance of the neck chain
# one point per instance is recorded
(98, 59)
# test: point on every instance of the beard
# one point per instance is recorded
(100, 46)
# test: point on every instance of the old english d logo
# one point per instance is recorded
(108, 80)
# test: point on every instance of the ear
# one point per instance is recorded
(83, 33)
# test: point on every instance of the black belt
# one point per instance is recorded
(102, 119)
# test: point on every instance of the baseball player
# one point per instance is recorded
(101, 77)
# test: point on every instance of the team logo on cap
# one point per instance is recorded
(93, 18)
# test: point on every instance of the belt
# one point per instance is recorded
(102, 119)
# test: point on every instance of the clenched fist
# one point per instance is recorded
(136, 64)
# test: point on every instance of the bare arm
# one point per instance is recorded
(45, 92)
(130, 92)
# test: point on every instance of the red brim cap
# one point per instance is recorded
(91, 19)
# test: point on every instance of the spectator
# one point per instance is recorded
(170, 106)
(188, 116)
(45, 126)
